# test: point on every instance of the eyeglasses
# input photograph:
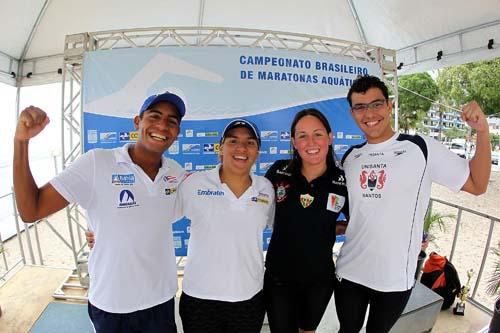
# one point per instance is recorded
(375, 105)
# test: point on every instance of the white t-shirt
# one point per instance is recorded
(389, 188)
(132, 266)
(225, 260)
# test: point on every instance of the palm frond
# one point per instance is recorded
(493, 286)
(435, 220)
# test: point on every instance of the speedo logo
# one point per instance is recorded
(208, 192)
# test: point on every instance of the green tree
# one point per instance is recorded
(495, 140)
(454, 133)
(413, 108)
(475, 81)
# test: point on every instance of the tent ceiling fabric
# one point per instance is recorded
(393, 24)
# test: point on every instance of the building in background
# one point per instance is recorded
(438, 123)
(494, 123)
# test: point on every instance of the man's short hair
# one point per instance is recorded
(365, 82)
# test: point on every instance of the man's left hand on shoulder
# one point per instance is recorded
(474, 117)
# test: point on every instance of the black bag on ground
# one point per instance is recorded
(441, 276)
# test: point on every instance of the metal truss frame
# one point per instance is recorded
(451, 45)
(8, 69)
(76, 46)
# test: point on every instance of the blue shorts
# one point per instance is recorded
(159, 318)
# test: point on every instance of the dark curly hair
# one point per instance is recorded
(365, 82)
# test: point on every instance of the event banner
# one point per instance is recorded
(218, 84)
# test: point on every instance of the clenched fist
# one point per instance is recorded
(32, 121)
(89, 235)
(474, 117)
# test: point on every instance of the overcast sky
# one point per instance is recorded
(48, 98)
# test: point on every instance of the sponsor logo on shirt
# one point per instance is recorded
(169, 191)
(123, 179)
(261, 198)
(358, 155)
(399, 152)
(306, 200)
(281, 172)
(209, 192)
(376, 154)
(281, 191)
(263, 195)
(340, 180)
(170, 179)
(335, 202)
(372, 179)
(374, 166)
(127, 199)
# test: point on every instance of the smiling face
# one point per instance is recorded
(238, 151)
(158, 127)
(374, 121)
(311, 140)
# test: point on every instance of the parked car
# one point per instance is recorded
(494, 157)
(459, 149)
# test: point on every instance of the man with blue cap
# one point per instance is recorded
(128, 194)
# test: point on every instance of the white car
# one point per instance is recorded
(458, 149)
(494, 157)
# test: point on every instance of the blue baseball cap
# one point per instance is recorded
(165, 97)
(242, 123)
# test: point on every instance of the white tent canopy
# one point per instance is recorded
(33, 31)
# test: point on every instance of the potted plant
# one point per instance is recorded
(432, 222)
(493, 288)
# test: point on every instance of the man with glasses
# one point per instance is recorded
(389, 180)
(128, 194)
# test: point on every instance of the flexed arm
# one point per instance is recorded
(480, 164)
(33, 203)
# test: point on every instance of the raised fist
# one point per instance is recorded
(32, 121)
(474, 117)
